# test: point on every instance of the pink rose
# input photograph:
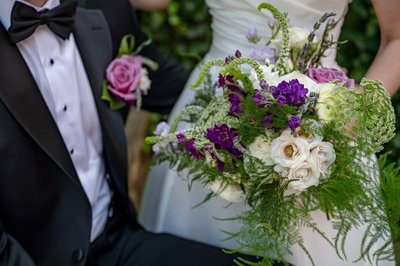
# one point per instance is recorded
(326, 75)
(124, 76)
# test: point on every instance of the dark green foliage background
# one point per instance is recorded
(184, 28)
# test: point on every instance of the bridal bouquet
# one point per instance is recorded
(288, 137)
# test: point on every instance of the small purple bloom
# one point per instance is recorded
(181, 137)
(221, 81)
(294, 122)
(234, 99)
(326, 75)
(261, 54)
(190, 146)
(259, 99)
(238, 54)
(220, 165)
(263, 84)
(267, 120)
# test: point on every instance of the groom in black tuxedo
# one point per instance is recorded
(63, 167)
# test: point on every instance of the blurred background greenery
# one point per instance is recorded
(184, 28)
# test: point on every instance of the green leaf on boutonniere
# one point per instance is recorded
(127, 45)
(114, 104)
(150, 63)
(142, 45)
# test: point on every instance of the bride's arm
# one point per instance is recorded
(386, 65)
(149, 5)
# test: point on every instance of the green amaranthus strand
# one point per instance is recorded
(244, 61)
(188, 110)
(204, 70)
(284, 53)
(197, 132)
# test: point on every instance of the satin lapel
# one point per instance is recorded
(19, 92)
(94, 43)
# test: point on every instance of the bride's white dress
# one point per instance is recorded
(167, 204)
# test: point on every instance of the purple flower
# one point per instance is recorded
(325, 75)
(292, 92)
(124, 76)
(220, 165)
(181, 137)
(222, 136)
(267, 120)
(294, 122)
(225, 80)
(261, 54)
(221, 81)
(263, 84)
(234, 99)
(191, 148)
(238, 54)
(259, 99)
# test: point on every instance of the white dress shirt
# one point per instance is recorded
(57, 68)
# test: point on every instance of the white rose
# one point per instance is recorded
(303, 79)
(302, 176)
(261, 149)
(327, 102)
(287, 150)
(271, 77)
(298, 37)
(323, 154)
(231, 193)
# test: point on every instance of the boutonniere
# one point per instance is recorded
(127, 78)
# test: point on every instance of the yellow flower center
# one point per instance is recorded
(288, 150)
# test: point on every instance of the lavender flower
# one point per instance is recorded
(261, 54)
(294, 122)
(292, 92)
(162, 129)
(252, 36)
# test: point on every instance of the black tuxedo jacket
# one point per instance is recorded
(45, 216)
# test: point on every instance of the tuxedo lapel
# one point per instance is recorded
(95, 46)
(22, 97)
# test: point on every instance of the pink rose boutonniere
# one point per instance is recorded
(127, 78)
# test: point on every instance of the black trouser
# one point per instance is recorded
(121, 244)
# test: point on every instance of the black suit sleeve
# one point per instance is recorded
(170, 78)
(11, 252)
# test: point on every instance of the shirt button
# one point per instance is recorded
(77, 255)
(65, 108)
(71, 151)
(51, 61)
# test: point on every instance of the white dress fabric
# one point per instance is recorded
(167, 205)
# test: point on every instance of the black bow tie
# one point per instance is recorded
(25, 19)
